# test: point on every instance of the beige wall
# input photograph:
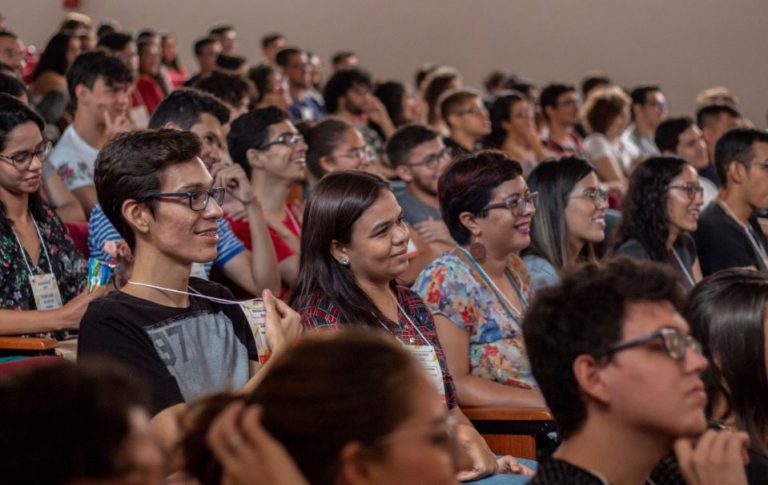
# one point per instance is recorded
(684, 45)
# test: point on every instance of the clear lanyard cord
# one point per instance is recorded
(191, 292)
(407, 317)
(687, 274)
(42, 242)
(756, 246)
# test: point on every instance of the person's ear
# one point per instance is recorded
(469, 221)
(404, 173)
(81, 92)
(354, 467)
(588, 374)
(737, 172)
(256, 158)
(338, 251)
(327, 164)
(137, 215)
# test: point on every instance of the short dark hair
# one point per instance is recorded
(251, 130)
(551, 93)
(591, 82)
(229, 88)
(131, 165)
(91, 66)
(200, 44)
(737, 145)
(585, 314)
(667, 134)
(8, 33)
(711, 113)
(322, 139)
(220, 29)
(341, 82)
(231, 63)
(451, 101)
(405, 139)
(391, 95)
(260, 77)
(268, 39)
(183, 107)
(499, 113)
(640, 93)
(116, 41)
(341, 56)
(12, 86)
(468, 185)
(284, 55)
(51, 400)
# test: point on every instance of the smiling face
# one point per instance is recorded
(503, 232)
(208, 128)
(692, 147)
(24, 138)
(646, 388)
(378, 247)
(180, 233)
(682, 211)
(281, 161)
(103, 98)
(585, 216)
(349, 154)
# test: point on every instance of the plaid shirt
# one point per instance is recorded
(322, 313)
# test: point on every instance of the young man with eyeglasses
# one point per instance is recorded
(272, 153)
(206, 117)
(12, 52)
(560, 105)
(466, 118)
(621, 375)
(730, 234)
(649, 109)
(180, 334)
(305, 106)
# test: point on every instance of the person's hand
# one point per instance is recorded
(119, 124)
(482, 459)
(233, 178)
(71, 313)
(716, 458)
(283, 324)
(432, 231)
(247, 453)
(124, 257)
(508, 464)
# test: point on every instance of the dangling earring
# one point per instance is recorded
(477, 250)
(344, 261)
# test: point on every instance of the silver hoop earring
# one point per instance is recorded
(344, 261)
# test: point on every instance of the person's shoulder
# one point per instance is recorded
(319, 312)
(632, 248)
(448, 264)
(559, 472)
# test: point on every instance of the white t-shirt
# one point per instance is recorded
(73, 159)
(597, 146)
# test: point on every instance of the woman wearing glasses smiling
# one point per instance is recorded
(479, 291)
(333, 145)
(41, 272)
(660, 211)
(569, 219)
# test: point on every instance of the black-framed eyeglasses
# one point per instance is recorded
(289, 139)
(594, 195)
(675, 343)
(198, 199)
(433, 160)
(517, 204)
(693, 190)
(364, 154)
(22, 160)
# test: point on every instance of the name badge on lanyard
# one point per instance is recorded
(256, 314)
(427, 357)
(45, 290)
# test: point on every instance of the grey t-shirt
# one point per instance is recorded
(414, 210)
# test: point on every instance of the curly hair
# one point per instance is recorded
(644, 209)
(602, 107)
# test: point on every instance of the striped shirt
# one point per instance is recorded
(101, 230)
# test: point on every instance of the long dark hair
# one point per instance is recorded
(54, 57)
(363, 379)
(500, 111)
(338, 200)
(644, 210)
(727, 314)
(14, 113)
(554, 181)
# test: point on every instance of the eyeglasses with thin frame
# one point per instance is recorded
(693, 190)
(290, 139)
(22, 160)
(475, 110)
(517, 204)
(594, 194)
(198, 199)
(675, 343)
(432, 161)
(364, 154)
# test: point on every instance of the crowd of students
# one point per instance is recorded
(507, 248)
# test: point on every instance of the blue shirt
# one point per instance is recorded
(101, 230)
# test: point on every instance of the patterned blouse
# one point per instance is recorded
(322, 313)
(69, 266)
(451, 288)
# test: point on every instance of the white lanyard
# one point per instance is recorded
(756, 246)
(501, 296)
(42, 242)
(178, 292)
(687, 274)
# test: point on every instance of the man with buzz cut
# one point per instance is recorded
(206, 117)
(183, 336)
(621, 375)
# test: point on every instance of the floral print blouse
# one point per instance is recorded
(69, 266)
(455, 290)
